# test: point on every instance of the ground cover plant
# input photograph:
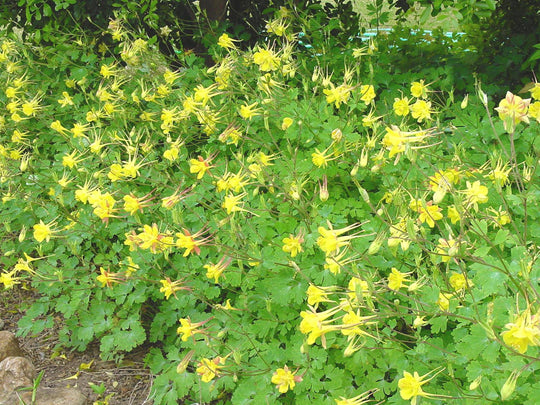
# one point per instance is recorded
(295, 224)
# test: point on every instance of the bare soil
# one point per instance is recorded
(129, 381)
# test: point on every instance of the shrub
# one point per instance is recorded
(281, 227)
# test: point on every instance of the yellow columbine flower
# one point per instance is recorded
(476, 193)
(287, 122)
(209, 369)
(315, 324)
(523, 332)
(338, 95)
(231, 203)
(330, 240)
(513, 110)
(293, 244)
(459, 282)
(266, 59)
(401, 106)
(421, 110)
(200, 166)
(357, 400)
(368, 93)
(226, 42)
(397, 279)
(284, 379)
(8, 279)
(169, 287)
(249, 111)
(447, 248)
(410, 386)
(216, 270)
(419, 89)
(188, 328)
(321, 159)
(316, 295)
(107, 278)
(43, 232)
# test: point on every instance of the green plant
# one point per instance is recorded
(292, 225)
(33, 388)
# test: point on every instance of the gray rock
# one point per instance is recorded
(15, 372)
(47, 396)
(9, 347)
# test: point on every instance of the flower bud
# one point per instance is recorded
(323, 189)
(476, 383)
(337, 135)
(22, 235)
(364, 157)
(465, 102)
(509, 386)
(354, 170)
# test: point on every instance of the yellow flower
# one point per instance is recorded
(8, 279)
(444, 301)
(287, 122)
(523, 332)
(399, 235)
(169, 287)
(200, 166)
(534, 111)
(368, 93)
(103, 205)
(249, 111)
(401, 106)
(216, 270)
(316, 295)
(70, 160)
(357, 400)
(397, 279)
(226, 42)
(293, 244)
(330, 240)
(107, 279)
(190, 242)
(284, 379)
(108, 71)
(133, 204)
(66, 99)
(459, 282)
(419, 89)
(499, 175)
(428, 213)
(57, 126)
(453, 214)
(43, 232)
(421, 110)
(338, 95)
(188, 329)
(209, 369)
(266, 59)
(476, 193)
(447, 248)
(535, 91)
(410, 386)
(512, 110)
(231, 203)
(315, 324)
(321, 159)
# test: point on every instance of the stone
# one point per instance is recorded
(9, 346)
(16, 372)
(47, 396)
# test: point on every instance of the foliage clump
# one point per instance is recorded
(291, 225)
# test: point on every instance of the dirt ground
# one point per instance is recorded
(129, 382)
